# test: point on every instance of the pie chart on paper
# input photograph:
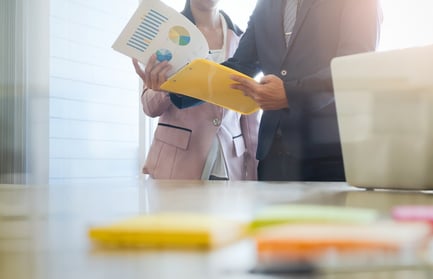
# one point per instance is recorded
(179, 35)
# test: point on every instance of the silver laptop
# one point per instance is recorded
(384, 104)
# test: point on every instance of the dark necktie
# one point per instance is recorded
(291, 9)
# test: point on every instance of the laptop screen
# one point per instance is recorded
(384, 104)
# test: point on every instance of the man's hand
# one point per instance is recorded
(154, 73)
(269, 94)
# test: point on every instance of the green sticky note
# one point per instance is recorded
(286, 214)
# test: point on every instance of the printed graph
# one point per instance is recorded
(163, 55)
(146, 30)
(179, 35)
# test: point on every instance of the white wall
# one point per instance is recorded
(93, 94)
(407, 23)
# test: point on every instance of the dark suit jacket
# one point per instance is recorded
(323, 30)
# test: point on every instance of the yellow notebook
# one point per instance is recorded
(210, 82)
(169, 230)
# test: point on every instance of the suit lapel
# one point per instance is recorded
(279, 9)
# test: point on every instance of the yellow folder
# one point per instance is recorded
(210, 82)
(169, 230)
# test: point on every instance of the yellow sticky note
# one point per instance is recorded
(169, 230)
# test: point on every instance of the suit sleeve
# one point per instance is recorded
(154, 102)
(245, 58)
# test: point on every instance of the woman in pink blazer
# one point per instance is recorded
(197, 140)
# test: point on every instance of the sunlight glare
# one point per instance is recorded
(406, 23)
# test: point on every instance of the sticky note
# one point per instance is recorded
(296, 213)
(169, 230)
(413, 213)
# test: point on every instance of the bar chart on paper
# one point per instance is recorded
(147, 30)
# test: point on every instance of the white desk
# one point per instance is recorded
(43, 230)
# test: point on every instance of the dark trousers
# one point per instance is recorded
(279, 165)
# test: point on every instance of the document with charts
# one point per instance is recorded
(160, 29)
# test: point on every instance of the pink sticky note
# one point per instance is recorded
(413, 213)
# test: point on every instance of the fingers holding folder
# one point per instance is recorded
(204, 80)
(154, 74)
(269, 94)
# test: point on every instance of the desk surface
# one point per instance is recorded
(43, 230)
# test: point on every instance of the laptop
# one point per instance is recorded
(384, 103)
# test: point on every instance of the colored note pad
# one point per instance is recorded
(283, 214)
(169, 230)
(422, 213)
(210, 82)
(312, 241)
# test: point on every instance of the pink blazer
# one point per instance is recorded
(184, 137)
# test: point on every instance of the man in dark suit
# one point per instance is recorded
(298, 136)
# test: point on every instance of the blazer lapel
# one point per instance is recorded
(279, 9)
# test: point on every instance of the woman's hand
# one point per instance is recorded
(154, 74)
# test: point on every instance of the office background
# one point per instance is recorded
(69, 104)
